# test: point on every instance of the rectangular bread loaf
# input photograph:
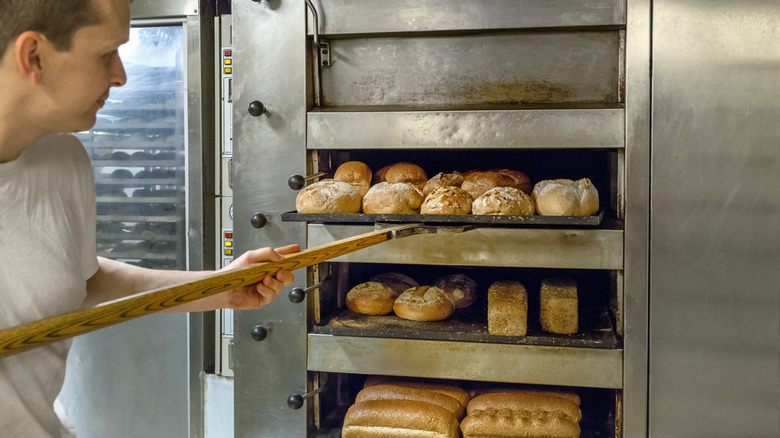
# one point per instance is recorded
(507, 309)
(558, 306)
(398, 418)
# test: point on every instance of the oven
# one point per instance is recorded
(551, 88)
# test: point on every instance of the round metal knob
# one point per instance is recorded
(258, 220)
(256, 108)
(295, 401)
(296, 182)
(297, 295)
(259, 333)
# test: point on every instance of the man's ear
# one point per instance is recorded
(27, 50)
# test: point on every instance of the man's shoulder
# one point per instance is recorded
(59, 147)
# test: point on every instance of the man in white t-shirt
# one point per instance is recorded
(58, 60)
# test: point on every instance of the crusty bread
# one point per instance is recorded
(504, 200)
(328, 196)
(507, 309)
(477, 183)
(424, 303)
(494, 423)
(564, 197)
(461, 288)
(447, 200)
(442, 179)
(517, 401)
(521, 180)
(558, 306)
(397, 392)
(523, 389)
(453, 391)
(355, 173)
(379, 175)
(409, 173)
(396, 281)
(398, 418)
(395, 198)
(371, 298)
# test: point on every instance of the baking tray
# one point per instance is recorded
(470, 325)
(506, 220)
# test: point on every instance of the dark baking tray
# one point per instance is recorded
(470, 325)
(535, 220)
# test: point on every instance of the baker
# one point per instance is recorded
(58, 61)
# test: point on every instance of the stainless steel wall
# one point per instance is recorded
(715, 219)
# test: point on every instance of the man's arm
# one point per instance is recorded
(114, 280)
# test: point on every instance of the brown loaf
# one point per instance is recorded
(397, 282)
(355, 173)
(558, 306)
(397, 392)
(371, 298)
(387, 198)
(461, 288)
(328, 196)
(504, 200)
(477, 183)
(492, 423)
(564, 394)
(406, 173)
(521, 180)
(447, 200)
(379, 175)
(564, 197)
(424, 303)
(442, 179)
(456, 392)
(398, 418)
(507, 309)
(516, 401)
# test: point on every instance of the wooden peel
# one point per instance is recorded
(56, 328)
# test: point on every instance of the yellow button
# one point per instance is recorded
(228, 252)
(228, 243)
(228, 61)
(228, 70)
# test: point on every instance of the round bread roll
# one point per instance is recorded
(461, 288)
(424, 303)
(397, 282)
(387, 198)
(564, 197)
(447, 200)
(328, 196)
(521, 180)
(406, 173)
(371, 298)
(504, 200)
(379, 175)
(477, 183)
(442, 179)
(355, 173)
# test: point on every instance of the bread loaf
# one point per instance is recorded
(379, 175)
(517, 401)
(328, 196)
(504, 200)
(442, 179)
(558, 306)
(396, 392)
(447, 200)
(568, 395)
(424, 303)
(492, 423)
(406, 173)
(477, 183)
(397, 282)
(564, 197)
(453, 391)
(398, 418)
(355, 173)
(507, 309)
(387, 198)
(521, 180)
(371, 298)
(461, 288)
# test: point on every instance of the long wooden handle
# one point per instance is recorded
(56, 328)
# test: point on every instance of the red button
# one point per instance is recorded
(228, 52)
(228, 235)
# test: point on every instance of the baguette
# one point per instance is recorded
(398, 418)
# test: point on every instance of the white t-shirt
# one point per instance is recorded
(47, 252)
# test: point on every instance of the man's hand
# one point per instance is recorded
(264, 291)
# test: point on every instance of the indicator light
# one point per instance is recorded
(228, 70)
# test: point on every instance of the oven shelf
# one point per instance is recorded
(488, 219)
